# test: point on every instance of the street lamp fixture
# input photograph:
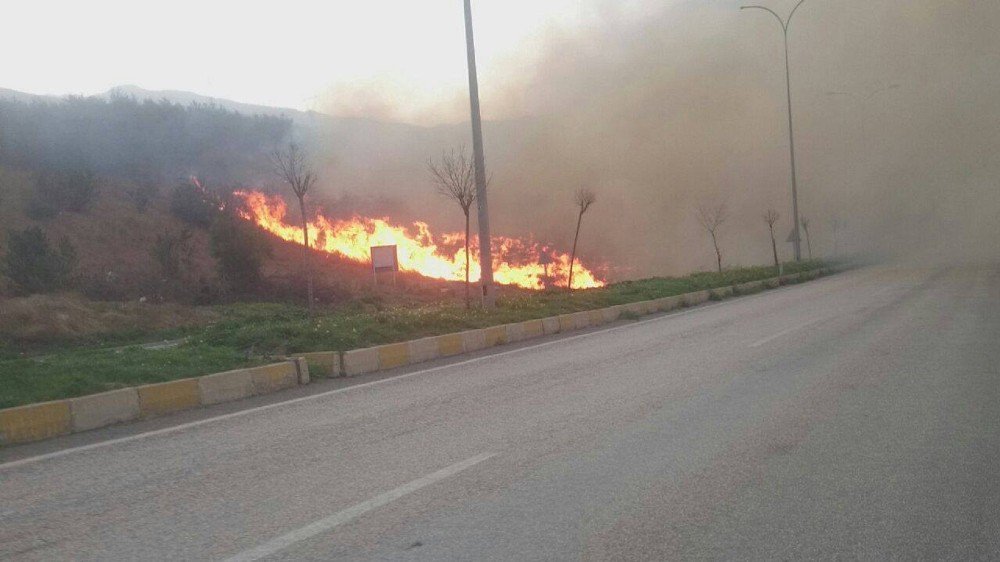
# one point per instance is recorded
(796, 239)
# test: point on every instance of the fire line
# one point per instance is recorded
(437, 257)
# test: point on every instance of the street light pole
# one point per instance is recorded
(797, 241)
(479, 161)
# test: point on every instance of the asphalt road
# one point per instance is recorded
(854, 417)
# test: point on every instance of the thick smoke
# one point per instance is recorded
(897, 130)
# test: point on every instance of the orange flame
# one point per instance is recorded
(516, 260)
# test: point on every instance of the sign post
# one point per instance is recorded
(384, 258)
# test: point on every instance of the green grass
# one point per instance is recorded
(89, 371)
(248, 334)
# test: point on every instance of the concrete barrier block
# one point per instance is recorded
(225, 387)
(324, 363)
(581, 319)
(637, 308)
(424, 349)
(473, 340)
(666, 304)
(611, 313)
(720, 293)
(301, 370)
(167, 397)
(35, 422)
(495, 335)
(515, 332)
(360, 361)
(749, 288)
(596, 317)
(450, 344)
(104, 409)
(393, 355)
(696, 298)
(551, 325)
(772, 283)
(532, 328)
(272, 378)
(566, 322)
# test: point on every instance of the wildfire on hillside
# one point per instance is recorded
(419, 250)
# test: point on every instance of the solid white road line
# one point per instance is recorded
(189, 425)
(328, 523)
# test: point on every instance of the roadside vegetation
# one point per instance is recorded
(95, 347)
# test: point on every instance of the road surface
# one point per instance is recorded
(857, 416)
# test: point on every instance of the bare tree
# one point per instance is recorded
(455, 178)
(770, 217)
(292, 167)
(711, 218)
(584, 199)
(836, 225)
(805, 228)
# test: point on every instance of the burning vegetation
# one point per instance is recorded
(517, 261)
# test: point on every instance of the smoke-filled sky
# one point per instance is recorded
(302, 54)
(657, 105)
(671, 105)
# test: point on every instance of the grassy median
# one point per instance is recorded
(250, 334)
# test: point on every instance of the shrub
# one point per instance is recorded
(33, 266)
(239, 249)
(172, 252)
(142, 194)
(57, 191)
(193, 205)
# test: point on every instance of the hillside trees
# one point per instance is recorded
(193, 204)
(239, 249)
(146, 142)
(58, 190)
(33, 265)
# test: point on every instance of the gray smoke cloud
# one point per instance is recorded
(897, 130)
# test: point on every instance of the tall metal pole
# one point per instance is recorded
(479, 160)
(797, 242)
(797, 239)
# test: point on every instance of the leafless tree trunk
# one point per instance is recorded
(836, 225)
(584, 199)
(711, 218)
(468, 296)
(805, 228)
(771, 217)
(455, 178)
(291, 166)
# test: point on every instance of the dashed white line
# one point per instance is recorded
(328, 523)
(786, 332)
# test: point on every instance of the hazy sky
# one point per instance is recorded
(294, 53)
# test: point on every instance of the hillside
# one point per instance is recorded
(114, 239)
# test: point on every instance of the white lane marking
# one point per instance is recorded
(328, 523)
(254, 410)
(786, 332)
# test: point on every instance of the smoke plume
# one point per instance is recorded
(897, 123)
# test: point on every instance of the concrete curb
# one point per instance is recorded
(35, 422)
(107, 408)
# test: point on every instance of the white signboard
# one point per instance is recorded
(384, 259)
